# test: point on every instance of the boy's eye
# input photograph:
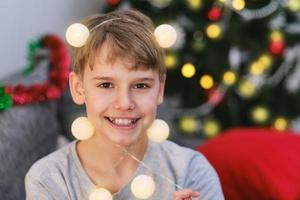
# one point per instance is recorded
(105, 85)
(141, 86)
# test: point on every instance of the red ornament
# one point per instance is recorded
(215, 96)
(277, 48)
(113, 2)
(214, 14)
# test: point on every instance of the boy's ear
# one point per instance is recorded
(162, 82)
(76, 88)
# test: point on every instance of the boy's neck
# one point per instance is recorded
(101, 158)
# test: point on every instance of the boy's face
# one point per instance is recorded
(120, 102)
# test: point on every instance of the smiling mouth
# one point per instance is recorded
(122, 121)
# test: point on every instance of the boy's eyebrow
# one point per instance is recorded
(106, 78)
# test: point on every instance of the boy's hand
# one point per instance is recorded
(185, 194)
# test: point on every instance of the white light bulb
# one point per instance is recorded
(100, 194)
(143, 186)
(77, 34)
(82, 128)
(158, 131)
(165, 35)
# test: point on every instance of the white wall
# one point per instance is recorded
(23, 20)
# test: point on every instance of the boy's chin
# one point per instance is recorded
(126, 142)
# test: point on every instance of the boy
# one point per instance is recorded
(119, 75)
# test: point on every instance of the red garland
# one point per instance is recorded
(58, 76)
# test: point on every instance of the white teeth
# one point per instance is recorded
(122, 121)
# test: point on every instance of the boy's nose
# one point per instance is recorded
(124, 101)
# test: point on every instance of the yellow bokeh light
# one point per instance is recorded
(246, 89)
(188, 124)
(206, 82)
(257, 68)
(170, 61)
(211, 128)
(294, 5)
(280, 124)
(238, 4)
(188, 70)
(260, 114)
(229, 78)
(194, 4)
(222, 1)
(276, 36)
(265, 60)
(213, 31)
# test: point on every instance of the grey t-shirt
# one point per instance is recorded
(60, 175)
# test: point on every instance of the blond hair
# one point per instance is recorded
(129, 34)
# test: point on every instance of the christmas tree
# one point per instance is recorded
(234, 63)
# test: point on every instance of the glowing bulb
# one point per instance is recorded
(188, 70)
(265, 60)
(246, 89)
(165, 35)
(206, 82)
(100, 194)
(158, 131)
(280, 124)
(276, 36)
(213, 31)
(170, 61)
(229, 78)
(293, 5)
(211, 128)
(160, 3)
(256, 68)
(260, 114)
(238, 4)
(82, 128)
(194, 4)
(77, 34)
(142, 186)
(188, 124)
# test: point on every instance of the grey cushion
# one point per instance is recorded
(27, 133)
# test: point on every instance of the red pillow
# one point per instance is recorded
(256, 163)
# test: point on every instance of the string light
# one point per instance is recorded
(280, 124)
(260, 114)
(158, 131)
(238, 4)
(257, 68)
(265, 60)
(170, 60)
(206, 82)
(82, 128)
(246, 89)
(194, 4)
(160, 3)
(188, 124)
(276, 36)
(100, 194)
(77, 34)
(165, 35)
(211, 128)
(142, 186)
(229, 78)
(188, 70)
(213, 31)
(294, 5)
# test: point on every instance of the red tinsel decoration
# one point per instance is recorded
(58, 76)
